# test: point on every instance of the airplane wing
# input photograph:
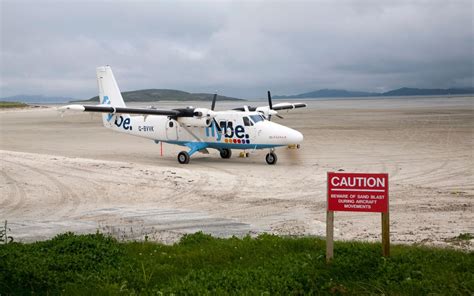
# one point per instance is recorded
(122, 110)
(284, 106)
(276, 107)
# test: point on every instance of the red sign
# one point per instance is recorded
(358, 192)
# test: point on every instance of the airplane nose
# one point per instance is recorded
(297, 137)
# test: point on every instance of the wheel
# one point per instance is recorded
(183, 157)
(271, 158)
(226, 153)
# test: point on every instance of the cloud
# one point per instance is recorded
(237, 48)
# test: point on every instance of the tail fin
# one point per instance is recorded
(109, 93)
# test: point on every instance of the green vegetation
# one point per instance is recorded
(153, 95)
(4, 104)
(465, 236)
(4, 237)
(462, 240)
(200, 264)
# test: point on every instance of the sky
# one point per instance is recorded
(235, 48)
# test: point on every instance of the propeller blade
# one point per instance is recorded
(270, 105)
(213, 102)
(279, 116)
(270, 100)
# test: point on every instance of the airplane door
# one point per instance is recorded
(172, 130)
(250, 130)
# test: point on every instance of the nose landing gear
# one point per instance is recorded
(271, 158)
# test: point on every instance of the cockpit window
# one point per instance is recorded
(247, 121)
(256, 118)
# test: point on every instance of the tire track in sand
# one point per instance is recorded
(18, 195)
(65, 192)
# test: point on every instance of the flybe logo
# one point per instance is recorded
(119, 121)
(235, 135)
(123, 122)
(106, 101)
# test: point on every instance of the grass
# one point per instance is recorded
(465, 236)
(4, 104)
(200, 264)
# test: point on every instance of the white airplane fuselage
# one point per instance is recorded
(238, 130)
(246, 128)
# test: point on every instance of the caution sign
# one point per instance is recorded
(358, 192)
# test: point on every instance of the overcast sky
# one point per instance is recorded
(237, 48)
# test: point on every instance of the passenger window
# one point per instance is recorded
(247, 121)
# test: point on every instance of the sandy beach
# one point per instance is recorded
(71, 174)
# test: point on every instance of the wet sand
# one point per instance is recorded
(71, 174)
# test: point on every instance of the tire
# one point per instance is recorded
(226, 153)
(271, 158)
(183, 157)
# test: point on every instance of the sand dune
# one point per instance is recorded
(60, 174)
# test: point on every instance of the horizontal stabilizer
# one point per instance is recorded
(78, 108)
(119, 110)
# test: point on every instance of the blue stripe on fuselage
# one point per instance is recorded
(218, 146)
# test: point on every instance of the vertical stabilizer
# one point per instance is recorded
(108, 88)
(109, 93)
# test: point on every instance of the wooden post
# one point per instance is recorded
(329, 236)
(385, 234)
(386, 229)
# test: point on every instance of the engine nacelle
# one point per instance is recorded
(266, 111)
(193, 121)
(203, 112)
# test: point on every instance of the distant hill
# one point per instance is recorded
(404, 91)
(36, 99)
(151, 95)
(329, 93)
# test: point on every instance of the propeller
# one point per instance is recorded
(270, 105)
(213, 105)
(269, 100)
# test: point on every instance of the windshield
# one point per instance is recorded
(256, 118)
(247, 121)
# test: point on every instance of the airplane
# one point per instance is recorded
(199, 129)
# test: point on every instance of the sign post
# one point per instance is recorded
(329, 236)
(385, 234)
(357, 192)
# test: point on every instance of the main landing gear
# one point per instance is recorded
(225, 153)
(183, 157)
